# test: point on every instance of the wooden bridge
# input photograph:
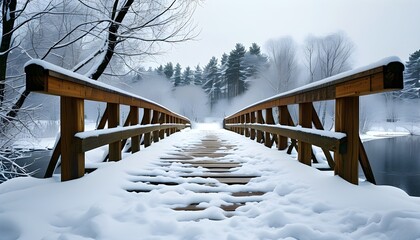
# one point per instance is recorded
(268, 122)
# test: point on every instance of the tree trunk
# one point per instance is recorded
(112, 41)
(8, 22)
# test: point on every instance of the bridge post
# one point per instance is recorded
(260, 137)
(242, 121)
(347, 121)
(145, 121)
(135, 140)
(252, 133)
(168, 120)
(247, 120)
(114, 121)
(283, 120)
(305, 120)
(72, 122)
(269, 120)
(162, 120)
(155, 120)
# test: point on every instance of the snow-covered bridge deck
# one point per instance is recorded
(149, 195)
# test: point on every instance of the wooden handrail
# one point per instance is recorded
(47, 78)
(73, 89)
(87, 141)
(345, 89)
(363, 81)
(320, 138)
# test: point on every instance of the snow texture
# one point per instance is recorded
(329, 80)
(301, 202)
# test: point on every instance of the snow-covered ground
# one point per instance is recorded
(301, 202)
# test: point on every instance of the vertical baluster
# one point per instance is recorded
(253, 120)
(305, 120)
(145, 121)
(260, 136)
(269, 120)
(134, 119)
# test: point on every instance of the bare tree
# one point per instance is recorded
(84, 36)
(283, 64)
(129, 30)
(325, 57)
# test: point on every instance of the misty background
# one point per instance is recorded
(203, 59)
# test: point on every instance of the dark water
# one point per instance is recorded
(396, 162)
(35, 161)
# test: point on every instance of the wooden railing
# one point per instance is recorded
(345, 89)
(73, 89)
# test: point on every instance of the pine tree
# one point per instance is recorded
(187, 76)
(223, 79)
(255, 50)
(177, 75)
(235, 74)
(168, 70)
(254, 60)
(198, 76)
(159, 70)
(211, 81)
(412, 76)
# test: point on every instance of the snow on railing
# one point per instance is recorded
(73, 89)
(345, 89)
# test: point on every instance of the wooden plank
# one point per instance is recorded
(209, 155)
(219, 175)
(72, 121)
(247, 194)
(216, 165)
(194, 207)
(195, 161)
(231, 181)
(305, 120)
(113, 122)
(347, 121)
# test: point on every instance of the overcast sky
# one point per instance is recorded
(378, 28)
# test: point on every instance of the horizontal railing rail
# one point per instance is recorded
(331, 141)
(345, 89)
(73, 89)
